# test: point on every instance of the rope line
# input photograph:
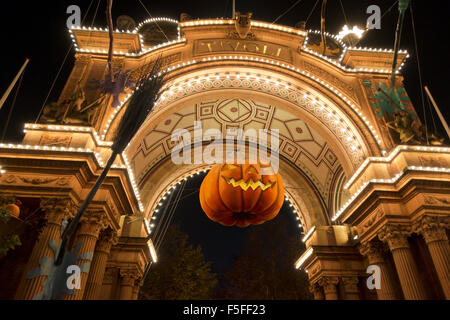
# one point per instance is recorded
(290, 8)
(311, 12)
(420, 72)
(156, 22)
(61, 67)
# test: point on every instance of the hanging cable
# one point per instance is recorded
(12, 107)
(312, 10)
(420, 72)
(61, 67)
(290, 8)
(343, 12)
(148, 12)
(170, 215)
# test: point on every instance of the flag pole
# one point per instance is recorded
(444, 123)
(13, 83)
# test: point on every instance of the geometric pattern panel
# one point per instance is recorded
(299, 143)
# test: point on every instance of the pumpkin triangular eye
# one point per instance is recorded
(252, 170)
(229, 167)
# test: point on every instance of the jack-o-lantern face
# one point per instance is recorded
(239, 194)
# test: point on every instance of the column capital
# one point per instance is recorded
(91, 223)
(329, 284)
(395, 235)
(373, 250)
(57, 209)
(129, 276)
(350, 281)
(316, 290)
(106, 239)
(432, 228)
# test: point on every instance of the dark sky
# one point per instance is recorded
(37, 29)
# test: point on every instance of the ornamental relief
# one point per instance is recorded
(436, 200)
(432, 161)
(298, 143)
(328, 77)
(13, 179)
(59, 140)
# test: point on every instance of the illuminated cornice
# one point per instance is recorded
(273, 82)
(391, 156)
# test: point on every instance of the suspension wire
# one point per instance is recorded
(62, 65)
(11, 108)
(163, 215)
(148, 12)
(343, 11)
(290, 8)
(311, 12)
(170, 216)
(420, 72)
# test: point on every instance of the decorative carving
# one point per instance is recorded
(328, 77)
(396, 235)
(37, 180)
(432, 228)
(107, 239)
(436, 200)
(55, 140)
(434, 161)
(373, 250)
(242, 24)
(371, 220)
(9, 178)
(91, 223)
(329, 284)
(110, 274)
(57, 209)
(129, 276)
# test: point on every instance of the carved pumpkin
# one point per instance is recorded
(237, 194)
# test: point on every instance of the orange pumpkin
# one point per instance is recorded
(238, 194)
(13, 209)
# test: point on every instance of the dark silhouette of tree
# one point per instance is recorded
(181, 272)
(265, 268)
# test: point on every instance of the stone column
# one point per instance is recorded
(317, 291)
(374, 252)
(396, 237)
(107, 284)
(107, 239)
(329, 285)
(91, 223)
(433, 230)
(137, 285)
(55, 211)
(127, 280)
(351, 288)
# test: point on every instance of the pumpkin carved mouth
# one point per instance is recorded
(249, 184)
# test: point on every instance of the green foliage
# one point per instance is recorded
(181, 272)
(7, 241)
(265, 269)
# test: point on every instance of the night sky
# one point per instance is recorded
(37, 30)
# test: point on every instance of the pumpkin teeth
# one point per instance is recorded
(250, 184)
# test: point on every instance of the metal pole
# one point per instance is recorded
(13, 83)
(234, 9)
(444, 123)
